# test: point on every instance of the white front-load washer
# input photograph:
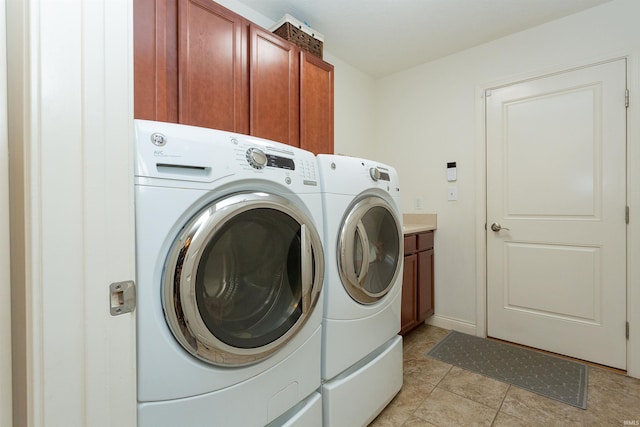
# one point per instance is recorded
(229, 271)
(361, 349)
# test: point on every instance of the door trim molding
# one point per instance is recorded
(633, 201)
(6, 403)
(633, 198)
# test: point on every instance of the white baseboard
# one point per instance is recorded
(452, 324)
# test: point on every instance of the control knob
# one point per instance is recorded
(374, 173)
(256, 158)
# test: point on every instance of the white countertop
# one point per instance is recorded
(417, 223)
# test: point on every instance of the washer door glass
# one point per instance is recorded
(370, 250)
(243, 276)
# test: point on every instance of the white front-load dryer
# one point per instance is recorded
(364, 253)
(229, 268)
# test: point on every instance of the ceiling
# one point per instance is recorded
(381, 37)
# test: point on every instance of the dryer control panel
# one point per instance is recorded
(379, 174)
(352, 175)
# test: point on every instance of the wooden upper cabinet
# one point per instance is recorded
(212, 67)
(274, 88)
(155, 60)
(198, 63)
(316, 104)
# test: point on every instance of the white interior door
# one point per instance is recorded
(556, 184)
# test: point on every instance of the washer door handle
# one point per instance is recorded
(364, 241)
(307, 268)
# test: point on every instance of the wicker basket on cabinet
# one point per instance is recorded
(299, 34)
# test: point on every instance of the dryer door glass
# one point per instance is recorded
(249, 281)
(370, 250)
(243, 277)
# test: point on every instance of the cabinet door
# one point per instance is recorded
(316, 104)
(408, 314)
(155, 60)
(425, 285)
(213, 85)
(274, 88)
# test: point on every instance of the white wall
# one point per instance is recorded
(5, 283)
(354, 109)
(419, 119)
(433, 115)
(247, 12)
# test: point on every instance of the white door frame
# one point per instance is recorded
(5, 280)
(633, 198)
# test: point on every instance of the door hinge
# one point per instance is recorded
(122, 297)
(626, 330)
(626, 214)
(626, 98)
(487, 93)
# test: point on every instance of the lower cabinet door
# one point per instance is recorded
(425, 285)
(408, 317)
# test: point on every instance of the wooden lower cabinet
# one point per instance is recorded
(417, 283)
(409, 311)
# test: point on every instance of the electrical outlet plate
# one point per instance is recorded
(452, 193)
(418, 203)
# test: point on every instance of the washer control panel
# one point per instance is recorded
(256, 158)
(280, 162)
(189, 153)
(265, 157)
(308, 169)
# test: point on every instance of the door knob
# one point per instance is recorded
(497, 227)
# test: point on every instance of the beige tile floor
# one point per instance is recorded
(438, 394)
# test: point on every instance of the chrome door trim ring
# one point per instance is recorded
(353, 283)
(178, 299)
